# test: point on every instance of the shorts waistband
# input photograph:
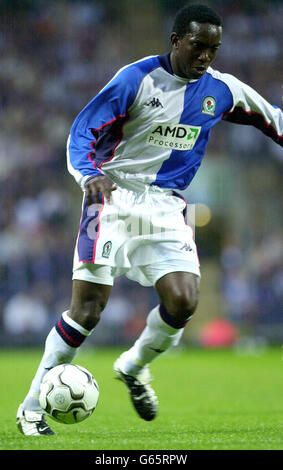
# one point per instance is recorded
(134, 184)
(138, 187)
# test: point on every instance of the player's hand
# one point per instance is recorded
(99, 184)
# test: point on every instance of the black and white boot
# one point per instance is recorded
(142, 394)
(32, 423)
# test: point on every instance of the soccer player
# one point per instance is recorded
(138, 141)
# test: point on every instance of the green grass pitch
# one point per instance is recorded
(209, 399)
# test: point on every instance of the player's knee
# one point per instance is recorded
(182, 306)
(182, 303)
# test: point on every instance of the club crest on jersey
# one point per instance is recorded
(107, 247)
(209, 105)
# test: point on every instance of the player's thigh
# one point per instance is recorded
(179, 292)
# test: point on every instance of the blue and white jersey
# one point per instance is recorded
(148, 126)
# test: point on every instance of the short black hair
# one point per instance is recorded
(196, 12)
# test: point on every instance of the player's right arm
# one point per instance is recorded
(97, 131)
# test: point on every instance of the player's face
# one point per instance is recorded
(192, 54)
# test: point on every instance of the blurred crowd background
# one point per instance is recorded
(55, 55)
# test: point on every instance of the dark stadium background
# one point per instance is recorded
(54, 57)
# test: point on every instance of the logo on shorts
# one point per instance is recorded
(107, 249)
(186, 247)
(209, 105)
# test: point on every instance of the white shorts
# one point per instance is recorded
(142, 234)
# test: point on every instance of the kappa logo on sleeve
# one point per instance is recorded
(173, 136)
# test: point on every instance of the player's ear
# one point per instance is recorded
(174, 40)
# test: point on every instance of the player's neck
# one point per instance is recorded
(176, 71)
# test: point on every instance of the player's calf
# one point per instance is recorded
(88, 301)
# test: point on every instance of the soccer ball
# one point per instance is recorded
(68, 393)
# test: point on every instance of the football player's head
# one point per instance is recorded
(195, 39)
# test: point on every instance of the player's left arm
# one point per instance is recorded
(250, 108)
